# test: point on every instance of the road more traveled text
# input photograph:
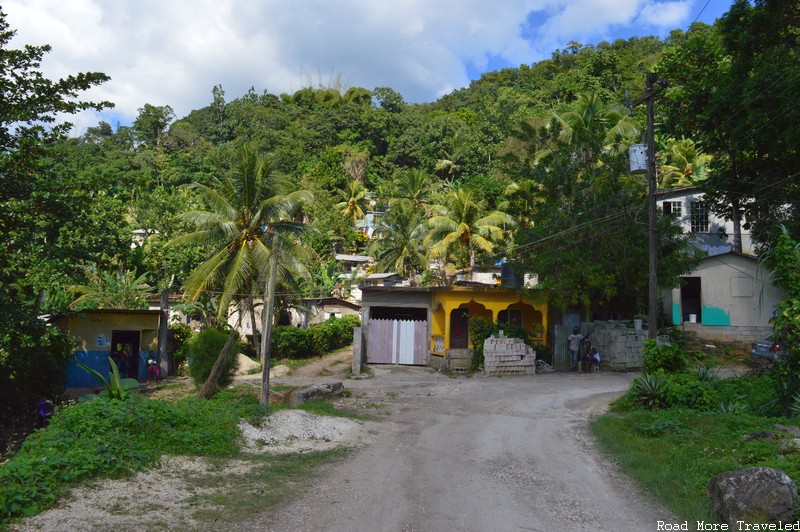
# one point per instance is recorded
(740, 525)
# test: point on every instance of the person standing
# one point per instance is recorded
(573, 346)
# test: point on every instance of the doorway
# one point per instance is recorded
(125, 352)
(459, 328)
(690, 299)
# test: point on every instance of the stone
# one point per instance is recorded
(318, 391)
(754, 495)
(794, 431)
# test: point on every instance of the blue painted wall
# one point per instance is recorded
(676, 313)
(716, 316)
(78, 377)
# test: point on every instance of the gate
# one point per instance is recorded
(560, 354)
(397, 342)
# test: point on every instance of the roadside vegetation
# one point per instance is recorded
(676, 429)
(680, 424)
(111, 438)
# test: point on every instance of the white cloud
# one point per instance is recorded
(173, 53)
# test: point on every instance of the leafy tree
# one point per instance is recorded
(732, 90)
(785, 259)
(581, 213)
(33, 356)
(151, 124)
(123, 289)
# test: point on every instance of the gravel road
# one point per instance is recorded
(474, 454)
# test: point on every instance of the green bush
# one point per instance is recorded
(181, 335)
(111, 438)
(204, 349)
(290, 342)
(317, 340)
(669, 358)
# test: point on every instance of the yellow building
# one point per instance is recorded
(108, 333)
(430, 326)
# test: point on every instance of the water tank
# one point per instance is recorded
(510, 278)
(638, 156)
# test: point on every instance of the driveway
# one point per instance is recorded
(473, 454)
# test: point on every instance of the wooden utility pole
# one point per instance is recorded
(648, 97)
(652, 320)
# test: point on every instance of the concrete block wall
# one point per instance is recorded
(732, 334)
(620, 347)
(508, 356)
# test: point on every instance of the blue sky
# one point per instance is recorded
(173, 52)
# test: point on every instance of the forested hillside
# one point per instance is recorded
(528, 164)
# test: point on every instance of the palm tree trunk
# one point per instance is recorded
(266, 325)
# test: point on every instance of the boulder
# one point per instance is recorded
(318, 391)
(754, 495)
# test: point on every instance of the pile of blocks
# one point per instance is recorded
(508, 356)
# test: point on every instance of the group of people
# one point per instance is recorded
(590, 360)
(127, 364)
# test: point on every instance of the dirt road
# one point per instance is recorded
(473, 454)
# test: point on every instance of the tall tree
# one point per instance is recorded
(581, 212)
(397, 245)
(33, 356)
(733, 88)
(461, 222)
(241, 210)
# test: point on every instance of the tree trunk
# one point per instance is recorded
(212, 382)
(252, 308)
(266, 324)
(736, 219)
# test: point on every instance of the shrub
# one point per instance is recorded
(290, 342)
(651, 391)
(317, 340)
(181, 334)
(669, 358)
(204, 349)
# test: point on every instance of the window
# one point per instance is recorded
(698, 217)
(673, 207)
(512, 315)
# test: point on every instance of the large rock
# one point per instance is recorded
(754, 495)
(319, 391)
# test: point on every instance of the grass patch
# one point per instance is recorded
(271, 481)
(113, 438)
(326, 408)
(674, 452)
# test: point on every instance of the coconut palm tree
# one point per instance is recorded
(461, 222)
(354, 201)
(398, 246)
(685, 165)
(243, 212)
(415, 186)
(588, 118)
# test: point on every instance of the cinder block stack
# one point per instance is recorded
(508, 356)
